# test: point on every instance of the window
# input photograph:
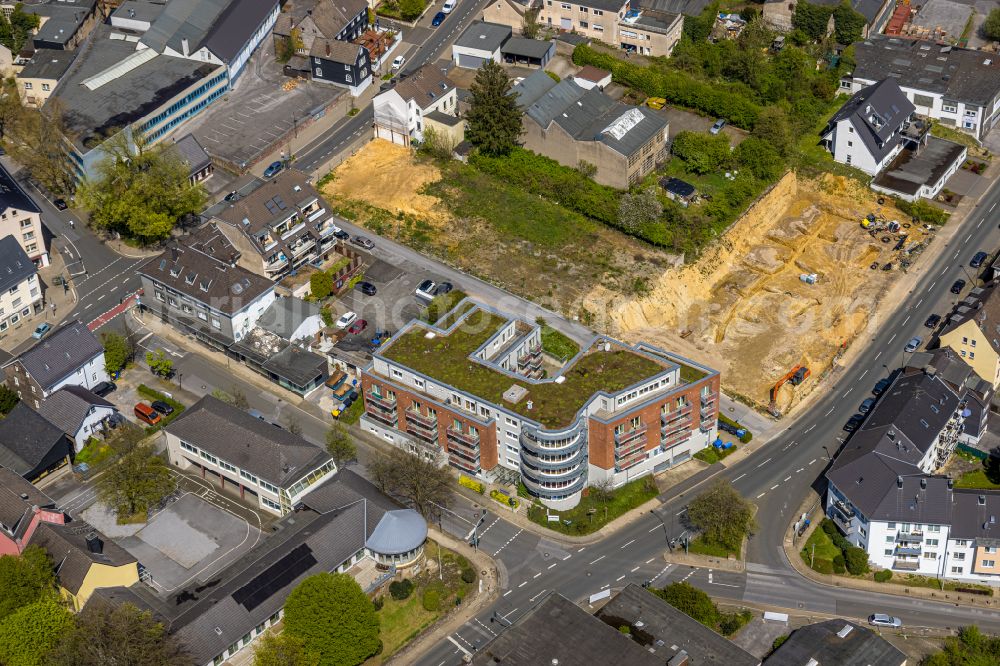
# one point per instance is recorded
(226, 466)
(583, 24)
(890, 526)
(888, 551)
(963, 353)
(347, 67)
(923, 100)
(934, 528)
(848, 159)
(583, 9)
(566, 6)
(216, 323)
(932, 542)
(248, 476)
(850, 130)
(956, 570)
(959, 556)
(989, 550)
(972, 355)
(850, 144)
(27, 85)
(989, 563)
(949, 108)
(319, 71)
(31, 247)
(890, 539)
(45, 87)
(270, 504)
(598, 28)
(348, 78)
(172, 301)
(598, 12)
(635, 422)
(188, 447)
(971, 113)
(25, 223)
(965, 341)
(209, 457)
(267, 486)
(930, 556)
(961, 542)
(203, 316)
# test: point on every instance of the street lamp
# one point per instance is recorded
(180, 379)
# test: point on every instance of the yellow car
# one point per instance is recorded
(656, 102)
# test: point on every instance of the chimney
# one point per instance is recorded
(94, 543)
(24, 496)
(679, 659)
(930, 370)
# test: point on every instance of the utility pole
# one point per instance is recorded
(812, 558)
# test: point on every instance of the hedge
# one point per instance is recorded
(400, 589)
(504, 498)
(471, 484)
(882, 576)
(715, 99)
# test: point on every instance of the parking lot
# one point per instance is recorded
(686, 121)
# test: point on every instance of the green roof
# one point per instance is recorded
(445, 358)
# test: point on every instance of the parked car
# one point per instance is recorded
(912, 345)
(883, 620)
(147, 414)
(341, 234)
(958, 286)
(443, 288)
(273, 169)
(60, 204)
(449, 6)
(717, 127)
(438, 19)
(866, 405)
(366, 288)
(978, 259)
(162, 407)
(933, 321)
(232, 196)
(881, 385)
(854, 422)
(346, 319)
(426, 289)
(40, 331)
(357, 327)
(104, 388)
(363, 242)
(398, 63)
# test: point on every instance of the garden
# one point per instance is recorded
(828, 551)
(598, 507)
(697, 605)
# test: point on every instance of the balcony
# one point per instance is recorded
(843, 509)
(675, 416)
(622, 438)
(532, 360)
(316, 214)
(541, 476)
(907, 551)
(380, 401)
(630, 460)
(294, 230)
(906, 565)
(552, 462)
(304, 245)
(470, 439)
(675, 438)
(910, 537)
(276, 262)
(424, 420)
(622, 450)
(382, 417)
(709, 399)
(543, 491)
(463, 464)
(464, 450)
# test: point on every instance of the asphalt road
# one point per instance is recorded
(317, 153)
(777, 477)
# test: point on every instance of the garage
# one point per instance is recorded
(480, 42)
(470, 61)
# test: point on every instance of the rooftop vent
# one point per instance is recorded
(24, 496)
(94, 543)
(218, 630)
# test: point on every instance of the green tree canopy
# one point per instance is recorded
(16, 30)
(35, 138)
(703, 153)
(116, 351)
(760, 158)
(334, 618)
(25, 579)
(413, 479)
(772, 126)
(494, 118)
(411, 9)
(105, 634)
(27, 634)
(140, 191)
(638, 209)
(722, 515)
(991, 26)
(282, 650)
(691, 601)
(159, 364)
(339, 445)
(970, 648)
(8, 400)
(849, 25)
(811, 19)
(136, 482)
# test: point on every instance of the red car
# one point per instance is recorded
(358, 326)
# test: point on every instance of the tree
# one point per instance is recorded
(494, 118)
(760, 158)
(848, 24)
(856, 560)
(419, 482)
(437, 144)
(970, 648)
(116, 351)
(691, 601)
(811, 19)
(411, 9)
(639, 209)
(529, 23)
(159, 364)
(722, 515)
(772, 127)
(235, 397)
(334, 618)
(25, 579)
(27, 634)
(603, 490)
(15, 31)
(140, 191)
(339, 445)
(703, 153)
(122, 634)
(136, 482)
(991, 26)
(282, 650)
(320, 285)
(37, 141)
(8, 400)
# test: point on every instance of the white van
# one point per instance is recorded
(449, 5)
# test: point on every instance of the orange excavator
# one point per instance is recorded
(795, 376)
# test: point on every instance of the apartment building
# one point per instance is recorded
(20, 290)
(572, 124)
(646, 30)
(206, 296)
(39, 77)
(266, 464)
(971, 331)
(867, 132)
(472, 395)
(68, 356)
(400, 110)
(22, 219)
(282, 225)
(955, 86)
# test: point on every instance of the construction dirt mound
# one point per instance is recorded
(745, 305)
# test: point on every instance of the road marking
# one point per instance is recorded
(485, 627)
(863, 374)
(812, 461)
(906, 320)
(567, 557)
(650, 560)
(655, 528)
(811, 427)
(508, 541)
(483, 533)
(968, 238)
(634, 570)
(522, 585)
(931, 288)
(764, 463)
(800, 469)
(464, 651)
(761, 495)
(680, 512)
(845, 395)
(738, 478)
(944, 270)
(553, 564)
(599, 559)
(619, 578)
(723, 584)
(919, 302)
(88, 306)
(536, 575)
(787, 478)
(580, 550)
(956, 255)
(992, 207)
(892, 338)
(980, 223)
(775, 486)
(878, 354)
(507, 592)
(829, 411)
(537, 595)
(632, 541)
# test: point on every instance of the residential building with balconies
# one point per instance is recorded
(20, 290)
(282, 225)
(478, 392)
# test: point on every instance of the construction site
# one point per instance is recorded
(775, 300)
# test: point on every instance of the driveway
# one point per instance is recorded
(686, 121)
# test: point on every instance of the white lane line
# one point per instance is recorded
(944, 270)
(764, 463)
(968, 238)
(464, 651)
(761, 495)
(787, 478)
(537, 595)
(634, 570)
(892, 338)
(931, 288)
(919, 302)
(829, 411)
(810, 427)
(655, 528)
(878, 354)
(812, 461)
(955, 256)
(906, 320)
(626, 545)
(567, 557)
(650, 560)
(599, 559)
(992, 207)
(580, 550)
(620, 578)
(507, 592)
(980, 223)
(738, 478)
(774, 486)
(522, 585)
(863, 374)
(553, 564)
(536, 575)
(800, 469)
(680, 512)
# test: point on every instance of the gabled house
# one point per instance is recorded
(20, 289)
(78, 412)
(280, 226)
(342, 64)
(646, 27)
(867, 131)
(39, 77)
(22, 219)
(22, 507)
(400, 110)
(194, 157)
(973, 331)
(30, 445)
(309, 21)
(70, 355)
(63, 24)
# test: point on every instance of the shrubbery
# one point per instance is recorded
(431, 600)
(882, 576)
(401, 589)
(468, 575)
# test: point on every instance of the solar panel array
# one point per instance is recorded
(275, 577)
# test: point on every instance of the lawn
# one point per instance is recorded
(553, 405)
(825, 551)
(582, 521)
(916, 580)
(353, 413)
(977, 478)
(401, 621)
(702, 547)
(557, 344)
(442, 305)
(93, 453)
(814, 159)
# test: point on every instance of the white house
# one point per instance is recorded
(480, 42)
(400, 110)
(68, 356)
(20, 290)
(866, 132)
(22, 219)
(78, 412)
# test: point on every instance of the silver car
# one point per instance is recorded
(912, 345)
(883, 620)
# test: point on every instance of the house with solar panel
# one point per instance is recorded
(344, 525)
(571, 124)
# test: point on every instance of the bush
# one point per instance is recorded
(468, 575)
(471, 484)
(378, 602)
(431, 600)
(882, 576)
(779, 641)
(839, 566)
(401, 589)
(856, 560)
(922, 211)
(320, 285)
(703, 153)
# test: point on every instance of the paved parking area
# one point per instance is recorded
(685, 121)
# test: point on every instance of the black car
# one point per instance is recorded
(60, 204)
(366, 288)
(232, 196)
(978, 259)
(104, 388)
(162, 407)
(933, 321)
(958, 286)
(341, 234)
(443, 288)
(853, 423)
(881, 386)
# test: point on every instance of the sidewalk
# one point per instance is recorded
(56, 301)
